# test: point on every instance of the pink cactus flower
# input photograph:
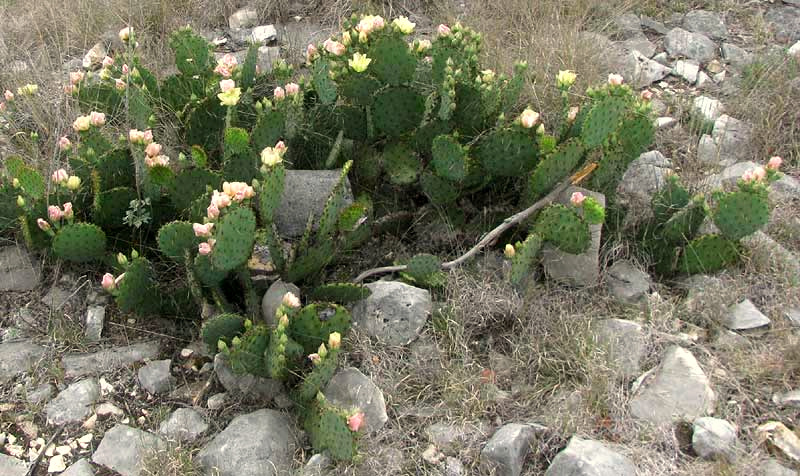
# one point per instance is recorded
(573, 113)
(334, 47)
(204, 248)
(229, 61)
(97, 118)
(69, 89)
(125, 69)
(136, 136)
(314, 358)
(148, 136)
(443, 30)
(774, 163)
(8, 95)
(43, 225)
(54, 213)
(615, 79)
(292, 89)
(202, 231)
(280, 147)
(75, 77)
(64, 143)
(355, 422)
(238, 191)
(120, 84)
(152, 149)
(528, 118)
(68, 213)
(220, 200)
(108, 62)
(759, 173)
(212, 212)
(2, 106)
(59, 176)
(311, 52)
(290, 300)
(279, 93)
(107, 282)
(577, 199)
(222, 71)
(226, 85)
(646, 95)
(748, 176)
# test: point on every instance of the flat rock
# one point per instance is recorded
(638, 44)
(450, 437)
(95, 319)
(504, 454)
(788, 399)
(250, 386)
(184, 425)
(17, 358)
(575, 270)
(82, 467)
(125, 449)
(306, 193)
(628, 25)
(696, 46)
(589, 458)
(771, 467)
(317, 465)
(156, 377)
(10, 466)
(781, 438)
(744, 315)
(733, 137)
(74, 404)
(714, 439)
(726, 339)
(264, 34)
(794, 50)
(710, 24)
(41, 394)
(626, 282)
(261, 443)
(642, 70)
(624, 344)
(267, 56)
(687, 69)
(644, 177)
(272, 300)
(654, 26)
(786, 189)
(707, 151)
(349, 388)
(79, 365)
(677, 388)
(394, 313)
(18, 270)
(243, 18)
(784, 21)
(736, 56)
(793, 315)
(707, 109)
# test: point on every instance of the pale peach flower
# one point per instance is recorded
(528, 118)
(108, 281)
(212, 212)
(148, 136)
(202, 231)
(75, 77)
(759, 173)
(646, 95)
(82, 123)
(443, 30)
(227, 85)
(615, 79)
(152, 149)
(573, 113)
(204, 248)
(97, 118)
(774, 163)
(355, 422)
(125, 34)
(68, 213)
(229, 61)
(59, 176)
(292, 89)
(120, 84)
(509, 251)
(577, 199)
(43, 225)
(8, 95)
(290, 300)
(108, 62)
(314, 358)
(334, 47)
(125, 69)
(64, 143)
(334, 340)
(136, 136)
(279, 93)
(54, 213)
(311, 52)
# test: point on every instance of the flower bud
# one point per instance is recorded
(334, 340)
(73, 182)
(509, 251)
(122, 259)
(20, 201)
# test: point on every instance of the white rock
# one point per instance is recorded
(781, 437)
(794, 50)
(264, 34)
(57, 464)
(788, 399)
(94, 57)
(745, 315)
(688, 70)
(590, 458)
(243, 18)
(95, 319)
(713, 438)
(666, 122)
(107, 409)
(702, 79)
(707, 109)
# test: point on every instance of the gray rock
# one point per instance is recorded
(768, 253)
(93, 58)
(243, 18)
(261, 443)
(644, 177)
(125, 449)
(18, 357)
(785, 22)
(61, 293)
(677, 388)
(696, 46)
(264, 34)
(349, 388)
(687, 69)
(250, 386)
(707, 151)
(504, 454)
(787, 399)
(74, 404)
(703, 80)
(726, 339)
(707, 109)
(239, 38)
(184, 425)
(156, 377)
(626, 282)
(624, 344)
(793, 315)
(10, 466)
(666, 123)
(640, 44)
(317, 465)
(575, 270)
(82, 467)
(643, 71)
(451, 437)
(306, 193)
(272, 300)
(18, 270)
(736, 56)
(714, 439)
(628, 25)
(729, 176)
(267, 56)
(41, 394)
(785, 190)
(95, 319)
(79, 365)
(733, 137)
(216, 401)
(589, 458)
(394, 313)
(708, 23)
(744, 315)
(771, 467)
(654, 26)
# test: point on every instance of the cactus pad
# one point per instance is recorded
(708, 254)
(30, 180)
(312, 325)
(235, 233)
(438, 190)
(555, 167)
(192, 52)
(449, 158)
(507, 153)
(271, 192)
(341, 293)
(524, 258)
(329, 432)
(269, 129)
(425, 270)
(359, 89)
(401, 164)
(669, 199)
(247, 352)
(562, 227)
(115, 169)
(741, 213)
(137, 291)
(392, 61)
(111, 206)
(240, 163)
(397, 111)
(206, 273)
(176, 239)
(191, 184)
(80, 242)
(603, 119)
(683, 225)
(222, 327)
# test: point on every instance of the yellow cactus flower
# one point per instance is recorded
(565, 79)
(230, 97)
(404, 25)
(359, 62)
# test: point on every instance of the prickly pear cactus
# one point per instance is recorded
(524, 258)
(328, 430)
(449, 158)
(312, 325)
(509, 152)
(340, 293)
(555, 167)
(742, 212)
(80, 242)
(324, 367)
(564, 228)
(708, 254)
(235, 235)
(193, 55)
(111, 206)
(190, 184)
(176, 239)
(137, 291)
(397, 111)
(401, 164)
(222, 327)
(425, 270)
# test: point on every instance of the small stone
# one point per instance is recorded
(85, 440)
(93, 58)
(243, 18)
(696, 46)
(733, 138)
(19, 271)
(707, 150)
(703, 80)
(638, 44)
(90, 422)
(707, 109)
(788, 399)
(719, 77)
(264, 34)
(714, 67)
(349, 388)
(645, 71)
(394, 313)
(73, 404)
(124, 449)
(736, 56)
(505, 452)
(317, 465)
(773, 468)
(729, 339)
(41, 394)
(156, 377)
(79, 365)
(793, 315)
(56, 464)
(272, 300)
(215, 402)
(453, 467)
(624, 343)
(662, 59)
(654, 26)
(665, 123)
(95, 318)
(589, 458)
(686, 69)
(627, 283)
(186, 353)
(708, 23)
(745, 315)
(184, 425)
(80, 468)
(794, 50)
(106, 410)
(63, 450)
(644, 177)
(780, 437)
(10, 466)
(250, 386)
(714, 439)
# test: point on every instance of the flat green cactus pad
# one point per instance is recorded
(555, 167)
(708, 254)
(561, 226)
(603, 119)
(397, 111)
(176, 239)
(191, 184)
(392, 60)
(111, 206)
(80, 242)
(235, 233)
(401, 164)
(507, 153)
(222, 327)
(741, 213)
(449, 158)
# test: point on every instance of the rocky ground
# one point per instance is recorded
(600, 370)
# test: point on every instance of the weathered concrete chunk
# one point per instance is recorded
(696, 46)
(624, 343)
(185, 425)
(250, 386)
(745, 315)
(714, 439)
(590, 458)
(575, 270)
(306, 193)
(125, 449)
(261, 443)
(18, 270)
(73, 404)
(10, 466)
(79, 365)
(18, 357)
(394, 313)
(349, 388)
(677, 388)
(504, 454)
(156, 377)
(708, 23)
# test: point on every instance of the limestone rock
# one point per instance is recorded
(744, 315)
(687, 69)
(261, 443)
(95, 318)
(243, 18)
(306, 193)
(736, 56)
(272, 300)
(624, 343)
(82, 467)
(185, 425)
(788, 399)
(73, 404)
(708, 23)
(394, 313)
(10, 466)
(93, 58)
(696, 46)
(18, 357)
(793, 315)
(627, 283)
(504, 454)
(267, 56)
(450, 437)
(589, 458)
(576, 270)
(349, 388)
(780, 437)
(772, 467)
(677, 388)
(644, 177)
(41, 394)
(18, 270)
(124, 449)
(733, 137)
(713, 438)
(784, 21)
(644, 71)
(264, 34)
(156, 377)
(628, 25)
(79, 365)
(707, 109)
(317, 465)
(251, 386)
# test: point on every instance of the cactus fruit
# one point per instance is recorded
(564, 228)
(602, 120)
(137, 291)
(80, 242)
(507, 152)
(328, 430)
(525, 254)
(392, 61)
(742, 212)
(555, 167)
(709, 253)
(222, 327)
(235, 235)
(340, 293)
(312, 325)
(191, 184)
(111, 206)
(449, 158)
(401, 164)
(398, 111)
(277, 362)
(176, 239)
